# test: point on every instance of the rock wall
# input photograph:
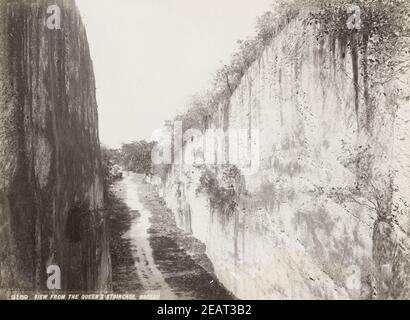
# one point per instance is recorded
(50, 170)
(326, 214)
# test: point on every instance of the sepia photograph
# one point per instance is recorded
(224, 150)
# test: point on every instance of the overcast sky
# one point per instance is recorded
(150, 56)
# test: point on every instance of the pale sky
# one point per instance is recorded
(150, 56)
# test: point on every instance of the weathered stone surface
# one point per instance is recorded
(50, 170)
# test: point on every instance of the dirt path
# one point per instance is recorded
(150, 254)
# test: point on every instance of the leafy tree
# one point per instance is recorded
(136, 156)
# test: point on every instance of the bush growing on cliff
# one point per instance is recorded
(227, 77)
(75, 223)
(198, 112)
(223, 196)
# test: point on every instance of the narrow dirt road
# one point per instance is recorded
(150, 255)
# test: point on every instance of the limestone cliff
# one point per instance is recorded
(326, 215)
(50, 170)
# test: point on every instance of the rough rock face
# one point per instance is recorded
(50, 170)
(326, 215)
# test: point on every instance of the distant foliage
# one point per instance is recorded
(223, 196)
(136, 156)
